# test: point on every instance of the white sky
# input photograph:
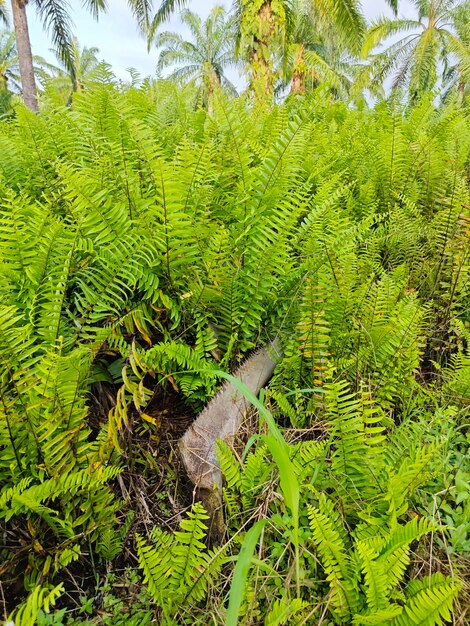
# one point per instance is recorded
(120, 44)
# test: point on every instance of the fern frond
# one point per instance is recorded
(334, 557)
(378, 618)
(407, 479)
(429, 601)
(229, 465)
(375, 577)
(284, 611)
(42, 597)
(178, 568)
(394, 554)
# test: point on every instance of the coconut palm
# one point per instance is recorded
(58, 79)
(204, 58)
(428, 44)
(55, 17)
(9, 77)
(9, 63)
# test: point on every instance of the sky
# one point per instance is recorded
(120, 44)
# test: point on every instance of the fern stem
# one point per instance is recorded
(10, 434)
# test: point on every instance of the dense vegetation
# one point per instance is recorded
(154, 234)
(145, 244)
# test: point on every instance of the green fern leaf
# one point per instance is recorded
(429, 601)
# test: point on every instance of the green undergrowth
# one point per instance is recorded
(144, 246)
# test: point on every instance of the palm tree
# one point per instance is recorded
(84, 62)
(317, 51)
(426, 47)
(457, 67)
(267, 23)
(59, 80)
(9, 63)
(342, 11)
(9, 70)
(10, 82)
(262, 28)
(55, 17)
(3, 13)
(205, 58)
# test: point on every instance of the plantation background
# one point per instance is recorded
(152, 235)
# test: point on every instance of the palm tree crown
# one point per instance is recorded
(55, 17)
(9, 71)
(3, 13)
(205, 58)
(318, 50)
(84, 61)
(265, 26)
(419, 58)
(457, 66)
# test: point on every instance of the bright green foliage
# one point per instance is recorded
(9, 71)
(42, 598)
(286, 613)
(144, 244)
(317, 50)
(55, 17)
(362, 530)
(382, 560)
(179, 567)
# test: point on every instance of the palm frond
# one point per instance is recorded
(167, 7)
(4, 14)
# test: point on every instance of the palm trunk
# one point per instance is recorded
(210, 98)
(298, 75)
(462, 89)
(210, 82)
(261, 64)
(25, 56)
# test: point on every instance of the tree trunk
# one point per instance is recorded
(210, 96)
(25, 57)
(261, 61)
(211, 81)
(462, 89)
(298, 75)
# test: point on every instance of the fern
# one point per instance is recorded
(429, 601)
(229, 465)
(178, 568)
(42, 597)
(364, 574)
(140, 241)
(284, 612)
(358, 438)
(333, 552)
(110, 543)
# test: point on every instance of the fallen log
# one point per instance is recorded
(221, 419)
